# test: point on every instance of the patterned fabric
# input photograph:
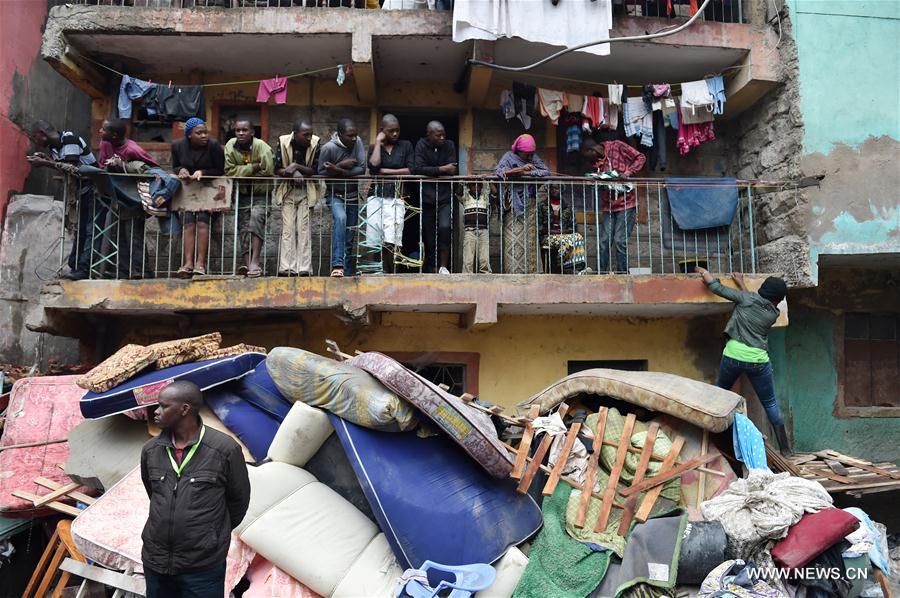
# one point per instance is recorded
(748, 443)
(234, 350)
(122, 365)
(198, 353)
(339, 387)
(570, 249)
(268, 581)
(521, 246)
(171, 353)
(731, 578)
(469, 428)
(40, 408)
(105, 531)
(701, 404)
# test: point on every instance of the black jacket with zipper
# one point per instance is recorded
(191, 517)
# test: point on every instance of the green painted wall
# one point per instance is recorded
(803, 356)
(849, 56)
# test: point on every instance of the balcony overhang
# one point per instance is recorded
(478, 299)
(388, 46)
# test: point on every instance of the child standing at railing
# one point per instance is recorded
(475, 199)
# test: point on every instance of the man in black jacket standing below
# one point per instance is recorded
(199, 491)
(435, 157)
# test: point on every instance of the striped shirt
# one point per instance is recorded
(73, 146)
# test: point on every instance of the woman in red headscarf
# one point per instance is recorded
(521, 254)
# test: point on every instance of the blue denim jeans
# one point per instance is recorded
(619, 226)
(205, 584)
(345, 217)
(761, 378)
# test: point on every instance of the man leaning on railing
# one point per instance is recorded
(246, 157)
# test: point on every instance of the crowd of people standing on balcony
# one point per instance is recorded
(405, 222)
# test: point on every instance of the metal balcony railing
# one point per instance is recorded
(411, 225)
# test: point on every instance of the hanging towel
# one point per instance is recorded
(565, 25)
(507, 104)
(748, 442)
(702, 203)
(615, 94)
(575, 102)
(552, 103)
(639, 120)
(691, 135)
(612, 117)
(592, 110)
(716, 86)
(276, 86)
(131, 89)
(341, 75)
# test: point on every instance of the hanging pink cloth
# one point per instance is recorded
(276, 87)
(592, 110)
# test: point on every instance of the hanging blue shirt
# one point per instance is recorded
(748, 443)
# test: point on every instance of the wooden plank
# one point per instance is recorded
(553, 480)
(50, 572)
(639, 473)
(42, 565)
(53, 485)
(114, 579)
(539, 455)
(895, 484)
(55, 505)
(54, 494)
(704, 449)
(861, 464)
(525, 445)
(662, 478)
(656, 456)
(650, 498)
(883, 582)
(836, 467)
(615, 473)
(588, 489)
(831, 475)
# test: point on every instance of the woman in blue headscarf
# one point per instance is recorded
(194, 157)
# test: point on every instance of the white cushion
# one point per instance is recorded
(300, 435)
(374, 573)
(509, 571)
(270, 484)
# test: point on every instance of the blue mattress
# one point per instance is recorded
(253, 426)
(143, 390)
(432, 501)
(258, 389)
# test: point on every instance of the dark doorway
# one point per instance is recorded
(412, 125)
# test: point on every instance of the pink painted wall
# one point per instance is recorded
(20, 43)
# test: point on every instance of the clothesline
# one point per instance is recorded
(512, 77)
(303, 74)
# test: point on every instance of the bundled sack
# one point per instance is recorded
(122, 365)
(342, 389)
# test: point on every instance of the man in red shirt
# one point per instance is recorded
(618, 208)
(116, 148)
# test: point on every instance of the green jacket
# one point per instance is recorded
(259, 152)
(752, 317)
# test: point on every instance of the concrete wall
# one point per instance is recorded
(851, 112)
(29, 89)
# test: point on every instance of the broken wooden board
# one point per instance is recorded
(639, 473)
(539, 455)
(615, 473)
(593, 464)
(643, 511)
(525, 445)
(859, 477)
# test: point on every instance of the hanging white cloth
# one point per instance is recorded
(566, 24)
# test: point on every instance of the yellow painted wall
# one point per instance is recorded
(519, 356)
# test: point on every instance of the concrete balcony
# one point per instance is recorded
(197, 45)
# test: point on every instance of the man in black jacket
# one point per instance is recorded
(199, 491)
(435, 157)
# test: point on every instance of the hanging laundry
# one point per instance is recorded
(131, 89)
(551, 103)
(716, 86)
(175, 102)
(507, 104)
(575, 102)
(592, 110)
(573, 139)
(647, 95)
(341, 75)
(691, 135)
(696, 102)
(524, 99)
(615, 94)
(657, 156)
(612, 117)
(269, 87)
(661, 90)
(638, 120)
